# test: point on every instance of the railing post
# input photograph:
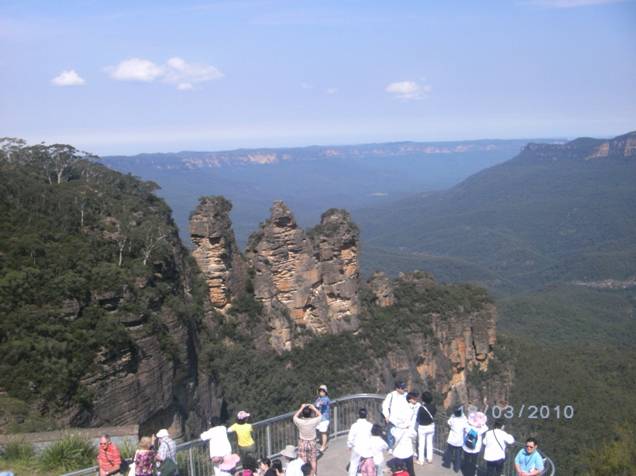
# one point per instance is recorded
(191, 461)
(268, 436)
(335, 420)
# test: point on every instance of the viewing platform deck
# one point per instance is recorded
(273, 434)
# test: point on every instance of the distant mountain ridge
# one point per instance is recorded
(554, 212)
(263, 156)
(310, 179)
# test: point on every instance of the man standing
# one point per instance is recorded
(495, 442)
(393, 407)
(359, 441)
(528, 461)
(323, 404)
(108, 457)
(167, 454)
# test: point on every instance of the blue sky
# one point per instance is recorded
(127, 77)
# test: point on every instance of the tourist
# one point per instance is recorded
(425, 428)
(378, 447)
(144, 457)
(306, 469)
(166, 456)
(391, 406)
(108, 457)
(473, 433)
(218, 443)
(244, 432)
(453, 454)
(399, 469)
(528, 461)
(358, 441)
(249, 465)
(277, 466)
(294, 462)
(264, 465)
(404, 432)
(495, 442)
(323, 404)
(306, 420)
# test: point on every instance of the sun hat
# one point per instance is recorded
(229, 462)
(323, 388)
(289, 452)
(242, 415)
(163, 433)
(477, 419)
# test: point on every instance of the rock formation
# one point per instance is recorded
(215, 249)
(313, 278)
(382, 289)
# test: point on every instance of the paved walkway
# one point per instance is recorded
(335, 459)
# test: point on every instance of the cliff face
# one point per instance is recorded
(444, 356)
(215, 249)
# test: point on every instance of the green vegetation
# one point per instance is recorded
(83, 251)
(616, 457)
(266, 383)
(573, 346)
(68, 454)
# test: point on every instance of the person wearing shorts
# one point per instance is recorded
(323, 404)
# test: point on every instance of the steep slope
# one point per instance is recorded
(554, 212)
(98, 324)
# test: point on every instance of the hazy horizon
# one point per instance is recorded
(120, 78)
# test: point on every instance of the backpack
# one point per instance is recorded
(470, 440)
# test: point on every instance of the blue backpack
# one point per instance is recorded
(470, 440)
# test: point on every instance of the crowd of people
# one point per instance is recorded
(404, 438)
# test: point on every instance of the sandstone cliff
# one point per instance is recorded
(307, 282)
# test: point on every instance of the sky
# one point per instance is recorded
(123, 77)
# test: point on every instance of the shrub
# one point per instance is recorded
(17, 451)
(68, 454)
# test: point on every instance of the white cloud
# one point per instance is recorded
(408, 90)
(68, 78)
(306, 85)
(570, 3)
(176, 71)
(135, 69)
(331, 91)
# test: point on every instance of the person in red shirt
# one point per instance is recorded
(108, 457)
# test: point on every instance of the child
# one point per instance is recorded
(243, 430)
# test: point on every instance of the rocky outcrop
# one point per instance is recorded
(382, 289)
(307, 282)
(450, 356)
(215, 250)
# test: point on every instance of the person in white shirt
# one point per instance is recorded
(453, 454)
(477, 427)
(358, 441)
(294, 463)
(378, 447)
(495, 442)
(219, 445)
(404, 432)
(391, 407)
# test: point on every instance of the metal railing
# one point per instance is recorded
(273, 434)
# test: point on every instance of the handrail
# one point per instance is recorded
(272, 434)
